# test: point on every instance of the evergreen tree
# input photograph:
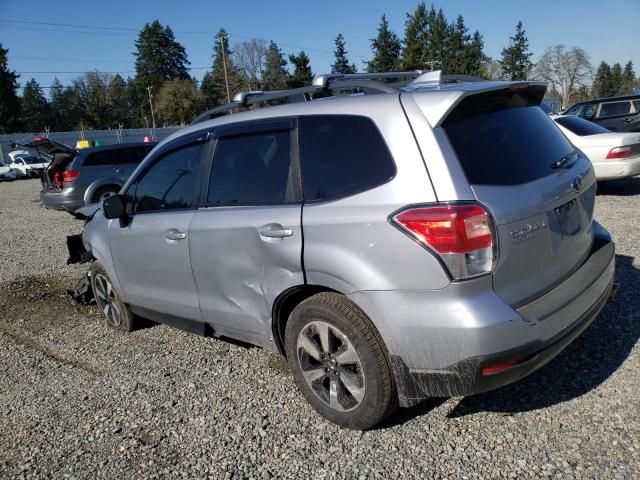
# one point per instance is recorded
(275, 73)
(458, 47)
(474, 57)
(9, 100)
(629, 77)
(437, 53)
(159, 57)
(119, 98)
(414, 39)
(516, 58)
(59, 117)
(617, 80)
(386, 49)
(602, 85)
(341, 64)
(302, 74)
(214, 88)
(35, 109)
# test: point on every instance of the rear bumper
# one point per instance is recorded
(69, 200)
(459, 337)
(617, 169)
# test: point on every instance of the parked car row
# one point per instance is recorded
(435, 239)
(618, 114)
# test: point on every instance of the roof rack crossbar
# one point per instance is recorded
(436, 77)
(323, 80)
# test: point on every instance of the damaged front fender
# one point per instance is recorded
(77, 251)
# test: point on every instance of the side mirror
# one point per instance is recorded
(114, 207)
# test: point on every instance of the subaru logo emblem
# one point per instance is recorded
(576, 183)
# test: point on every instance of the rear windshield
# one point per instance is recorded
(580, 126)
(505, 147)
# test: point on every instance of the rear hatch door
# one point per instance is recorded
(539, 188)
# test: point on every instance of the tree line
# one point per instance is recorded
(99, 100)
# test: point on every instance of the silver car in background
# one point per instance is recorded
(435, 239)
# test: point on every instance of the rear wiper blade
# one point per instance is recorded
(561, 163)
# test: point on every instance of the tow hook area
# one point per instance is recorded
(613, 292)
(82, 293)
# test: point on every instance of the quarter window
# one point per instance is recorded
(615, 108)
(169, 183)
(252, 169)
(342, 155)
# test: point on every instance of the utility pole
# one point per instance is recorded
(224, 64)
(153, 117)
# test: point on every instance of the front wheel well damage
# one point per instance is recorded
(284, 305)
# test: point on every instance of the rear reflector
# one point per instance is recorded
(69, 176)
(460, 234)
(498, 367)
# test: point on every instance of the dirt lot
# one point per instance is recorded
(79, 400)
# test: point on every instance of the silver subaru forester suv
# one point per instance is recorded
(394, 241)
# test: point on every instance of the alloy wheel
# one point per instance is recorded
(106, 300)
(331, 366)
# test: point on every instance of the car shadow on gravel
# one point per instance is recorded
(622, 188)
(586, 363)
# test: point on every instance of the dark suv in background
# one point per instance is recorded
(618, 114)
(78, 177)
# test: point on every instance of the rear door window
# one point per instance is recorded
(612, 109)
(342, 155)
(252, 169)
(506, 147)
(99, 158)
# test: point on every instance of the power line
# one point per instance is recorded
(113, 30)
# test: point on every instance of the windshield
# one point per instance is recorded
(580, 126)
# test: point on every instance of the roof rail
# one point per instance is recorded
(366, 82)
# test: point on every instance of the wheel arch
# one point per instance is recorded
(284, 305)
(97, 184)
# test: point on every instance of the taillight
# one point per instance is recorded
(461, 235)
(69, 176)
(623, 152)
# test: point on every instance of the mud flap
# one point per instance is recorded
(82, 293)
(77, 252)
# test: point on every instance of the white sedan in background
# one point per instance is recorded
(7, 173)
(26, 164)
(614, 155)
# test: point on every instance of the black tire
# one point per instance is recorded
(373, 367)
(109, 302)
(107, 189)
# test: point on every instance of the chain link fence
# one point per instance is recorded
(107, 137)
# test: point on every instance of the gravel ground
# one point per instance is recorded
(79, 400)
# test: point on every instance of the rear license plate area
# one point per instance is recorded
(568, 217)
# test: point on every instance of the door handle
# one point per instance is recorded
(274, 230)
(174, 235)
(628, 120)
